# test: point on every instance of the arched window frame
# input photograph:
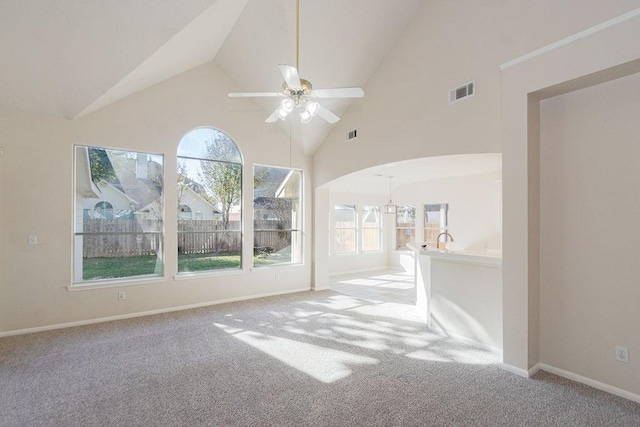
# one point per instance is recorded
(104, 210)
(209, 162)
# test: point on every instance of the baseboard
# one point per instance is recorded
(590, 382)
(521, 372)
(465, 340)
(144, 313)
(365, 270)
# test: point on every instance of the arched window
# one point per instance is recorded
(210, 180)
(103, 210)
(184, 212)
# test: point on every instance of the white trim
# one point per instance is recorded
(145, 313)
(590, 382)
(115, 283)
(205, 274)
(442, 332)
(519, 371)
(567, 40)
(379, 270)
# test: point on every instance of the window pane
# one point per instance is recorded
(119, 214)
(277, 216)
(209, 193)
(345, 240)
(371, 228)
(209, 144)
(344, 217)
(405, 225)
(404, 236)
(436, 218)
(370, 240)
(406, 216)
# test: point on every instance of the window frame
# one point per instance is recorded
(363, 228)
(440, 229)
(355, 229)
(77, 264)
(298, 257)
(398, 228)
(240, 231)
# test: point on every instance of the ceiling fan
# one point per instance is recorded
(299, 93)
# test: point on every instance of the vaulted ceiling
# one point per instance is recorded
(71, 57)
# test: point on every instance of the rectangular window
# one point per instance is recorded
(118, 214)
(405, 226)
(371, 229)
(436, 221)
(277, 216)
(345, 229)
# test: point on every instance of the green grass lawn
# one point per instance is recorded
(201, 262)
(113, 268)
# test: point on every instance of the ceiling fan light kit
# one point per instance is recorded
(297, 92)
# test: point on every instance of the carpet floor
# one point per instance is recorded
(304, 359)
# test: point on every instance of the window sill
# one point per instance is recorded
(207, 274)
(115, 283)
(276, 266)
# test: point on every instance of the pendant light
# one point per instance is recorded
(390, 208)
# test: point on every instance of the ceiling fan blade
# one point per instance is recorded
(290, 74)
(327, 115)
(272, 118)
(339, 92)
(254, 94)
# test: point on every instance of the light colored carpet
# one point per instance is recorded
(306, 359)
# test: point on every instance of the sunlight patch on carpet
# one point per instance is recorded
(323, 364)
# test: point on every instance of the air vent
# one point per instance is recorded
(352, 134)
(462, 92)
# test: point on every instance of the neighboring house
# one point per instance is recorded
(111, 203)
(194, 206)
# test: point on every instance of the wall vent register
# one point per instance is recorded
(352, 134)
(461, 92)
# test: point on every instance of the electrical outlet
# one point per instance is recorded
(622, 354)
(122, 295)
(33, 240)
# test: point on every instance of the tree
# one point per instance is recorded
(222, 177)
(101, 167)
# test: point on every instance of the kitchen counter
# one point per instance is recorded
(459, 294)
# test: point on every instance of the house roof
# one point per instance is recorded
(69, 58)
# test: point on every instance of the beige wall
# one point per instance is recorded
(37, 199)
(601, 54)
(405, 112)
(589, 233)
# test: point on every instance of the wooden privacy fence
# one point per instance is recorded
(208, 236)
(133, 237)
(120, 237)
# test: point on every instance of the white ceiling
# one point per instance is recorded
(71, 57)
(376, 181)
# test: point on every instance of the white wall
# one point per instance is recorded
(589, 233)
(474, 210)
(36, 177)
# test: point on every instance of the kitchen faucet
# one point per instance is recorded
(445, 233)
